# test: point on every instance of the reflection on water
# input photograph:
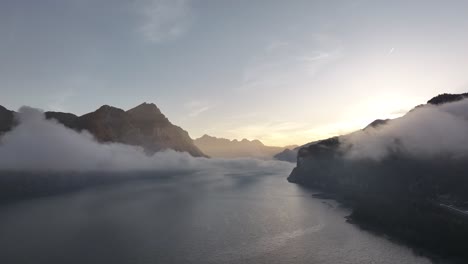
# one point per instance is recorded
(201, 218)
(263, 245)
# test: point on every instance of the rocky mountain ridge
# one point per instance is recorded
(143, 126)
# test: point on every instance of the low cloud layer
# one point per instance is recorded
(426, 132)
(37, 144)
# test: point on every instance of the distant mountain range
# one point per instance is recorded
(225, 148)
(143, 126)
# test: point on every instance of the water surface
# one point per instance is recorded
(205, 217)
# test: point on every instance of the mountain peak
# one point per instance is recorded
(108, 108)
(257, 142)
(147, 107)
(6, 119)
(376, 123)
(3, 109)
(206, 136)
(147, 112)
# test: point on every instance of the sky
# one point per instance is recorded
(283, 72)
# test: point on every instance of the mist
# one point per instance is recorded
(38, 144)
(428, 131)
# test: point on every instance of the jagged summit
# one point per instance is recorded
(376, 123)
(6, 119)
(108, 108)
(147, 113)
(226, 148)
(213, 139)
(146, 107)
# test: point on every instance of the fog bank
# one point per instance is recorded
(37, 144)
(428, 131)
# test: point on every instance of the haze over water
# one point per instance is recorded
(206, 217)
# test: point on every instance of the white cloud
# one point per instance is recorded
(37, 144)
(165, 19)
(276, 45)
(287, 64)
(425, 132)
(318, 55)
(196, 108)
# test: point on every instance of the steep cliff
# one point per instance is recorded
(334, 148)
(419, 184)
(156, 132)
(6, 119)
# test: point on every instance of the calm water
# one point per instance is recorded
(247, 217)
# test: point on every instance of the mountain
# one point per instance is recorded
(143, 126)
(288, 154)
(225, 148)
(447, 98)
(402, 191)
(156, 132)
(6, 119)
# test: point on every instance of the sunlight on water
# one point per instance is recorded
(199, 218)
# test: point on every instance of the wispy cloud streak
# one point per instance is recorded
(196, 108)
(165, 19)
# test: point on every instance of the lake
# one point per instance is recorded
(229, 216)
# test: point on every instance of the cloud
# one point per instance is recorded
(60, 100)
(289, 65)
(275, 45)
(37, 144)
(165, 19)
(196, 108)
(426, 132)
(318, 55)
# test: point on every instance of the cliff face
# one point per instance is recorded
(143, 126)
(6, 119)
(333, 147)
(225, 148)
(109, 124)
(156, 132)
(402, 195)
(67, 119)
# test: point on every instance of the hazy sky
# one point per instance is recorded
(284, 72)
